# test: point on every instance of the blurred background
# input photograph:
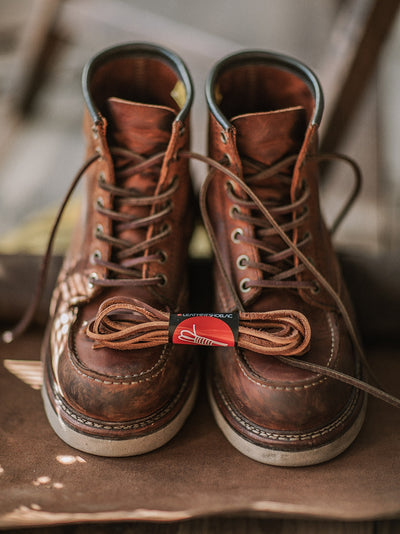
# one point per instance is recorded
(352, 45)
(45, 43)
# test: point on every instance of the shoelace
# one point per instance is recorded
(129, 257)
(100, 328)
(142, 326)
(133, 163)
(106, 331)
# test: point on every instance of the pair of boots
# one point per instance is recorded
(120, 374)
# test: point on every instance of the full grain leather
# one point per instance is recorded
(129, 107)
(264, 109)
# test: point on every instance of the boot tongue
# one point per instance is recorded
(270, 136)
(142, 128)
(145, 130)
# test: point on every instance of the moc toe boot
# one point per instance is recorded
(131, 242)
(265, 110)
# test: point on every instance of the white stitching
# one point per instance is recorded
(291, 436)
(119, 426)
(120, 380)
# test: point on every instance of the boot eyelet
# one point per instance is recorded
(242, 262)
(306, 236)
(95, 256)
(316, 289)
(235, 235)
(163, 256)
(99, 230)
(95, 132)
(224, 137)
(100, 202)
(163, 280)
(244, 288)
(166, 228)
(227, 160)
(102, 178)
(234, 211)
(91, 279)
(182, 131)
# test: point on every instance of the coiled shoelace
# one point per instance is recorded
(281, 334)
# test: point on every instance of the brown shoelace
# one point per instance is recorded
(275, 337)
(142, 326)
(129, 258)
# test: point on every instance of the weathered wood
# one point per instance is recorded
(352, 52)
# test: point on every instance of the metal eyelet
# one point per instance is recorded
(102, 177)
(306, 236)
(242, 262)
(100, 202)
(163, 256)
(227, 159)
(163, 280)
(316, 289)
(91, 278)
(99, 230)
(166, 228)
(234, 235)
(242, 285)
(95, 256)
(182, 131)
(95, 132)
(224, 137)
(233, 211)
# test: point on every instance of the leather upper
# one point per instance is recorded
(137, 99)
(265, 108)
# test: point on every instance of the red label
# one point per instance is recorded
(206, 329)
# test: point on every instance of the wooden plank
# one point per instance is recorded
(353, 50)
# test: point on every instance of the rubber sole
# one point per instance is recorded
(276, 457)
(117, 447)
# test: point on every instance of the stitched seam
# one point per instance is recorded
(119, 426)
(288, 388)
(120, 380)
(290, 436)
(117, 379)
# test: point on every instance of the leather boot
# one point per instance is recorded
(131, 242)
(274, 253)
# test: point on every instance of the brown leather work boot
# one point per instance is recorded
(274, 253)
(131, 242)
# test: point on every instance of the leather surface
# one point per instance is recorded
(132, 91)
(269, 110)
(44, 482)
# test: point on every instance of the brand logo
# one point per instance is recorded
(207, 330)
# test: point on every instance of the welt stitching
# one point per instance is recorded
(290, 436)
(141, 424)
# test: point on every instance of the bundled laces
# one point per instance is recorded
(127, 324)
